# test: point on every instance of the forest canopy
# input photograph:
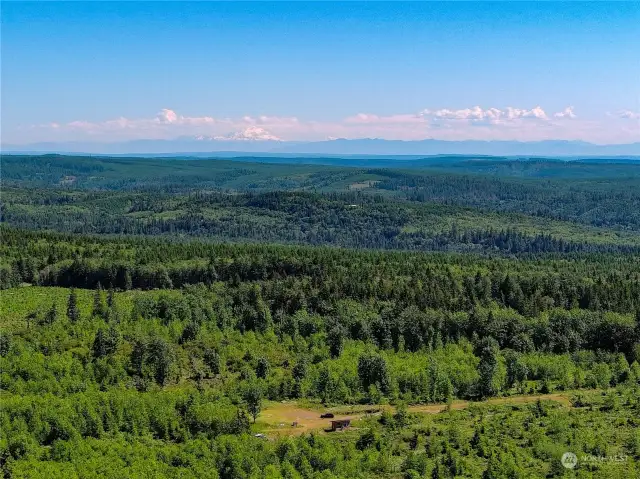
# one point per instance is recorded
(176, 326)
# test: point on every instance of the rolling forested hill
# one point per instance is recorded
(550, 206)
(195, 318)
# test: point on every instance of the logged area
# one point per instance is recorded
(287, 418)
(205, 318)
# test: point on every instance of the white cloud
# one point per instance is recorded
(473, 114)
(566, 113)
(167, 116)
(628, 115)
(362, 118)
(490, 115)
(277, 120)
(536, 112)
(368, 118)
(79, 125)
(477, 123)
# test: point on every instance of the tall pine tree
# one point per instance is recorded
(73, 313)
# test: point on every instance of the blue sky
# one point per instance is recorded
(306, 71)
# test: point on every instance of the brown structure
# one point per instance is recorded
(340, 424)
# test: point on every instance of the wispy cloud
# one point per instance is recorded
(627, 115)
(478, 123)
(491, 115)
(566, 113)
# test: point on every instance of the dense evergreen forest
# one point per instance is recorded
(351, 219)
(590, 192)
(197, 319)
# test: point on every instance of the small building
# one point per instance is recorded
(340, 424)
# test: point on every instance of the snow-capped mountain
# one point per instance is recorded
(252, 133)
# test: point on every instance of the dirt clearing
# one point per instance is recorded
(289, 418)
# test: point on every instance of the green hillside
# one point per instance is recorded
(194, 319)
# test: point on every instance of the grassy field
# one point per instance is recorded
(293, 418)
(538, 430)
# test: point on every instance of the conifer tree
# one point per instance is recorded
(73, 313)
(51, 315)
(99, 308)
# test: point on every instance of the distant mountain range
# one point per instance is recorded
(274, 146)
(440, 147)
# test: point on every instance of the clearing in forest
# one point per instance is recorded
(278, 419)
